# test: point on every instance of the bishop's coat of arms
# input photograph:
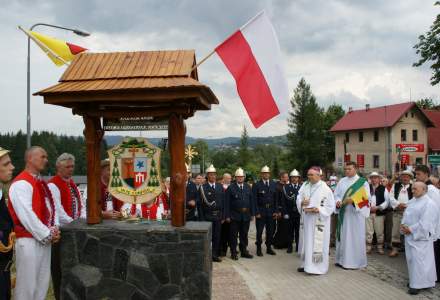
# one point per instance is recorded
(135, 171)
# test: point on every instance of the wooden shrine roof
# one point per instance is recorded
(142, 80)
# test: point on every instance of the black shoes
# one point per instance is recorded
(270, 251)
(413, 291)
(301, 270)
(234, 256)
(289, 249)
(246, 254)
(259, 252)
(216, 259)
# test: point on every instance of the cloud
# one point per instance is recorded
(351, 52)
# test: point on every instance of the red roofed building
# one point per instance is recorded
(383, 139)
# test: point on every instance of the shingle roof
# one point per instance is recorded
(376, 117)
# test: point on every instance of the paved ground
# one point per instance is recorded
(275, 277)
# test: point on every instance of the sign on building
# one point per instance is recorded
(410, 147)
(360, 159)
(434, 159)
(134, 124)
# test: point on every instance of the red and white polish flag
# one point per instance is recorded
(253, 57)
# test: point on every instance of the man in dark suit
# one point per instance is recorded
(264, 192)
(6, 227)
(212, 205)
(290, 210)
(191, 201)
(240, 210)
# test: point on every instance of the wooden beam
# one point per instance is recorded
(93, 134)
(176, 142)
(140, 112)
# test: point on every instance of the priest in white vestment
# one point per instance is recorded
(316, 204)
(418, 225)
(351, 250)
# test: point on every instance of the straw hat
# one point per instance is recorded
(3, 152)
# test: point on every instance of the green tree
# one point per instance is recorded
(427, 103)
(306, 129)
(203, 157)
(428, 48)
(333, 113)
(243, 151)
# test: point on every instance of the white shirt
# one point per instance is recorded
(402, 198)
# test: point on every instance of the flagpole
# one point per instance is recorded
(201, 62)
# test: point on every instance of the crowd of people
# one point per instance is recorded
(355, 213)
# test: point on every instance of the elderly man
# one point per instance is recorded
(240, 209)
(226, 228)
(350, 233)
(35, 220)
(265, 192)
(316, 204)
(422, 175)
(212, 205)
(6, 227)
(69, 207)
(418, 225)
(400, 194)
(375, 222)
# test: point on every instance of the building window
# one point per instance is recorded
(419, 161)
(347, 137)
(361, 136)
(406, 115)
(376, 161)
(415, 135)
(412, 114)
(403, 135)
(376, 135)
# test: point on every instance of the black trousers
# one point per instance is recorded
(55, 268)
(216, 234)
(265, 222)
(5, 285)
(225, 237)
(239, 229)
(294, 224)
(437, 258)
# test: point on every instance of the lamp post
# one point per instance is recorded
(28, 114)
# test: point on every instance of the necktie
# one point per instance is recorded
(241, 187)
(267, 183)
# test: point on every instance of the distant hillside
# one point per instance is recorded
(213, 143)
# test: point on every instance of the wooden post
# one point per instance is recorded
(93, 134)
(176, 142)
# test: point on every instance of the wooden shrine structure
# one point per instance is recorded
(159, 84)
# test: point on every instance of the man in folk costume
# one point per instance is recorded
(400, 194)
(379, 201)
(33, 212)
(264, 192)
(69, 207)
(111, 206)
(316, 203)
(419, 224)
(6, 227)
(352, 200)
(226, 228)
(290, 210)
(191, 201)
(212, 205)
(240, 209)
(422, 175)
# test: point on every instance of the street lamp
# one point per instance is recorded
(28, 114)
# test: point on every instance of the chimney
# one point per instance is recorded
(350, 109)
(367, 107)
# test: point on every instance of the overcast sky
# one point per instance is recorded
(351, 52)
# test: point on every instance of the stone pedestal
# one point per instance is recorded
(121, 260)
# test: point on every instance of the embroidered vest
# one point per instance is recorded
(66, 195)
